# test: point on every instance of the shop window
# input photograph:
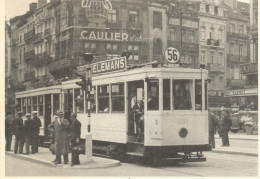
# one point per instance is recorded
(153, 94)
(198, 95)
(103, 99)
(157, 19)
(182, 90)
(166, 94)
(117, 96)
(56, 102)
(34, 103)
(40, 105)
(79, 100)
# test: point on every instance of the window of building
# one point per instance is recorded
(206, 94)
(90, 45)
(216, 10)
(190, 36)
(232, 48)
(40, 105)
(220, 32)
(232, 28)
(135, 52)
(220, 60)
(132, 16)
(241, 49)
(212, 57)
(207, 8)
(103, 98)
(212, 33)
(166, 94)
(157, 19)
(203, 33)
(203, 57)
(153, 94)
(117, 97)
(157, 47)
(111, 18)
(182, 92)
(241, 29)
(79, 100)
(198, 95)
(172, 34)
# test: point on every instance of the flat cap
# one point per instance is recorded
(28, 115)
(60, 112)
(73, 114)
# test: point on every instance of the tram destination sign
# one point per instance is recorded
(115, 64)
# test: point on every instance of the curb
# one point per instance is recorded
(238, 139)
(92, 165)
(235, 153)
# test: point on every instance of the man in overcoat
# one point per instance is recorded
(8, 131)
(19, 133)
(28, 132)
(213, 123)
(60, 127)
(75, 131)
(225, 125)
(36, 130)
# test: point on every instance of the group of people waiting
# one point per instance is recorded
(25, 131)
(221, 124)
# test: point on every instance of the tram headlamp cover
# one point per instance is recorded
(183, 132)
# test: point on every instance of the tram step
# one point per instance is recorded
(135, 154)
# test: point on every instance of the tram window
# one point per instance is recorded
(206, 94)
(117, 96)
(18, 104)
(182, 90)
(34, 103)
(40, 105)
(198, 95)
(68, 98)
(24, 106)
(153, 94)
(103, 98)
(92, 100)
(79, 100)
(56, 102)
(166, 94)
(29, 105)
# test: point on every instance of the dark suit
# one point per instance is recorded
(225, 125)
(8, 132)
(36, 131)
(29, 132)
(75, 131)
(19, 135)
(213, 123)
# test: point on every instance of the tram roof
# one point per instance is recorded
(39, 91)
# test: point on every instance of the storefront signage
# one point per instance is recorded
(245, 92)
(106, 66)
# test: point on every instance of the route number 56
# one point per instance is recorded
(172, 55)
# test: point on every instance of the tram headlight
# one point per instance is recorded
(183, 132)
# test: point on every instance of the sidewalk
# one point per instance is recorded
(45, 157)
(236, 151)
(240, 136)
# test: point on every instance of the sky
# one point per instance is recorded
(18, 7)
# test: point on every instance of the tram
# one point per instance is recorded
(173, 110)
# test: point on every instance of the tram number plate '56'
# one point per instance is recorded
(172, 55)
(182, 121)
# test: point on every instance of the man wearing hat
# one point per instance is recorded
(19, 133)
(75, 130)
(28, 131)
(225, 125)
(36, 131)
(60, 128)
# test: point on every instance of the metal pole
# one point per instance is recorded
(88, 89)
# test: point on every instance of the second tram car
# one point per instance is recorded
(155, 113)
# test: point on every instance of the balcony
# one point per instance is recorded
(134, 25)
(29, 56)
(59, 65)
(42, 58)
(249, 69)
(215, 68)
(213, 42)
(38, 37)
(29, 76)
(237, 58)
(47, 32)
(186, 46)
(232, 35)
(236, 84)
(28, 37)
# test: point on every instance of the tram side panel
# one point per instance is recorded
(110, 127)
(168, 129)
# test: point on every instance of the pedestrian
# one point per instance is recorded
(19, 133)
(37, 125)
(67, 114)
(8, 130)
(225, 125)
(75, 131)
(213, 123)
(29, 132)
(60, 128)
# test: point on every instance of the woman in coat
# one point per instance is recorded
(60, 128)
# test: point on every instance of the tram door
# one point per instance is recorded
(135, 108)
(47, 113)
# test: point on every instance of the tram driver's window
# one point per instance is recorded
(153, 94)
(34, 103)
(103, 99)
(117, 96)
(24, 106)
(198, 95)
(40, 105)
(166, 95)
(182, 90)
(79, 100)
(56, 102)
(29, 105)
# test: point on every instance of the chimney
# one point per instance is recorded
(41, 3)
(33, 6)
